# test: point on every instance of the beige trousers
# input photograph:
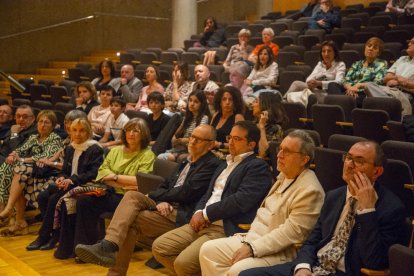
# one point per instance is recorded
(178, 249)
(134, 221)
(216, 256)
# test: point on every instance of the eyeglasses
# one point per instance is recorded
(23, 117)
(198, 140)
(234, 138)
(357, 161)
(4, 112)
(287, 152)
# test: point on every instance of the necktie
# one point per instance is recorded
(329, 259)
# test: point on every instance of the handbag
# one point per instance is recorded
(44, 172)
(299, 97)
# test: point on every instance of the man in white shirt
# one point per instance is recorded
(231, 201)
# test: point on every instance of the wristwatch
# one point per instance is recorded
(115, 178)
(55, 163)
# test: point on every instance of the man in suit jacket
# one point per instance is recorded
(19, 132)
(127, 86)
(232, 199)
(379, 221)
(145, 217)
(285, 218)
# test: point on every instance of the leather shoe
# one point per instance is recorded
(96, 254)
(36, 244)
(50, 244)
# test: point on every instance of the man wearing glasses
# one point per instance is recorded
(326, 18)
(6, 120)
(357, 225)
(285, 218)
(145, 217)
(231, 201)
(19, 132)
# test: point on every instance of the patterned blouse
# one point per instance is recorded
(274, 133)
(32, 147)
(374, 72)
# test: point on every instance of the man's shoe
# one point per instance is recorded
(50, 244)
(96, 254)
(36, 244)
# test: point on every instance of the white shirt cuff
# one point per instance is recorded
(365, 211)
(302, 265)
(204, 214)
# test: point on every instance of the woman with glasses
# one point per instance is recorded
(21, 162)
(80, 208)
(271, 120)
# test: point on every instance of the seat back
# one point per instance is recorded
(324, 120)
(343, 142)
(328, 168)
(294, 112)
(399, 150)
(369, 123)
(391, 105)
(401, 260)
(347, 103)
(396, 130)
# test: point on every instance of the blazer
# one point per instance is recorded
(244, 191)
(371, 237)
(129, 92)
(88, 164)
(195, 185)
(9, 144)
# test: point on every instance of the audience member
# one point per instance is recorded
(196, 114)
(232, 199)
(329, 69)
(296, 197)
(326, 18)
(267, 36)
(399, 81)
(400, 6)
(86, 96)
(79, 220)
(213, 35)
(151, 75)
(265, 71)
(99, 115)
(146, 217)
(370, 69)
(115, 124)
(82, 158)
(19, 163)
(24, 127)
(271, 120)
(106, 71)
(239, 71)
(357, 225)
(176, 93)
(128, 87)
(157, 120)
(6, 121)
(229, 109)
(203, 82)
(239, 52)
(308, 10)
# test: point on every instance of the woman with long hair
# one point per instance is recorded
(265, 71)
(106, 74)
(86, 96)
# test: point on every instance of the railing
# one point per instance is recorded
(18, 86)
(95, 15)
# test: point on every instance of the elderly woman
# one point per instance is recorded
(265, 71)
(86, 96)
(106, 74)
(117, 174)
(271, 119)
(229, 109)
(100, 114)
(267, 36)
(370, 69)
(329, 69)
(239, 71)
(82, 159)
(239, 52)
(43, 144)
(177, 92)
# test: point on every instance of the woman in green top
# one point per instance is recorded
(118, 172)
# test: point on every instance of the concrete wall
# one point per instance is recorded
(25, 53)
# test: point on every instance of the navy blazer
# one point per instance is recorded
(244, 191)
(195, 185)
(371, 237)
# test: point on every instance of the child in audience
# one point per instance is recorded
(116, 123)
(157, 120)
(85, 96)
(99, 115)
(197, 113)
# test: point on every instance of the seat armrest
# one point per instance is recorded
(371, 272)
(148, 182)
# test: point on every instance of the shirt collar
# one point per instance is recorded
(238, 158)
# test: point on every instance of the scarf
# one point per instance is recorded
(79, 149)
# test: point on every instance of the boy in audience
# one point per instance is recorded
(115, 123)
(157, 120)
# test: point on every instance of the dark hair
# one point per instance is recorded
(157, 73)
(270, 102)
(199, 94)
(108, 88)
(156, 97)
(26, 106)
(214, 22)
(141, 124)
(183, 67)
(111, 67)
(379, 159)
(238, 105)
(118, 100)
(269, 53)
(333, 45)
(253, 132)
